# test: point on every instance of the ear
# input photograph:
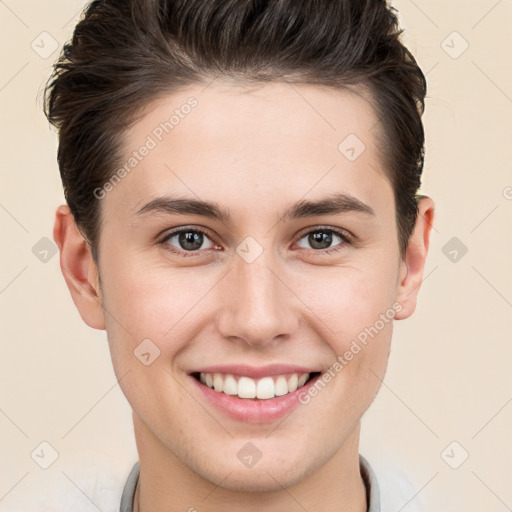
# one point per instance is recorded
(78, 268)
(412, 266)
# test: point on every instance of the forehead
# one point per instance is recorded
(266, 142)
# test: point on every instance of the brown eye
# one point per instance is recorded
(323, 240)
(189, 240)
(320, 240)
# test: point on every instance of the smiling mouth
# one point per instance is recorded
(256, 389)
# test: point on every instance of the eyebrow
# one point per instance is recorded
(331, 205)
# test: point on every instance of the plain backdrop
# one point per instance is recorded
(447, 393)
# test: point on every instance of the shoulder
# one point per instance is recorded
(396, 489)
(64, 487)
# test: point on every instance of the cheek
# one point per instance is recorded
(152, 301)
(149, 304)
(354, 310)
(349, 299)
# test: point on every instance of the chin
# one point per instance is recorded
(269, 477)
(250, 480)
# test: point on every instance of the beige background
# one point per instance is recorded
(449, 372)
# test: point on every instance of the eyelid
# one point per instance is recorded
(180, 229)
(339, 231)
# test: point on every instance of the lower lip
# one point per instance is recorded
(254, 411)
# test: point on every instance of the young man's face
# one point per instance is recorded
(265, 285)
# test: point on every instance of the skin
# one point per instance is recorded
(255, 152)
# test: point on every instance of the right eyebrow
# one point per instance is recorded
(185, 206)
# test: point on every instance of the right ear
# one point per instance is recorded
(78, 268)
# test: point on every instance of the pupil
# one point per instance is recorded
(191, 240)
(320, 240)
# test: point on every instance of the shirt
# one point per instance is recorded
(369, 479)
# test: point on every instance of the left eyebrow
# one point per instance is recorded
(331, 205)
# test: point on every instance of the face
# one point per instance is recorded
(265, 283)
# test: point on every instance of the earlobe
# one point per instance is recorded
(412, 267)
(78, 268)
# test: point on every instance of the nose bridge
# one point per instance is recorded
(258, 307)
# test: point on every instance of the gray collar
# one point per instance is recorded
(369, 478)
(372, 486)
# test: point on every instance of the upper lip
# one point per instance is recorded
(256, 372)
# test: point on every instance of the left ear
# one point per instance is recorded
(412, 266)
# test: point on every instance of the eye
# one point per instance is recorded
(322, 239)
(187, 240)
(191, 241)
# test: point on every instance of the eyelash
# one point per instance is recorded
(346, 239)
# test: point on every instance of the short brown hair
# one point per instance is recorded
(125, 53)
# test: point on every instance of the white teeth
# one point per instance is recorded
(245, 387)
(293, 383)
(217, 382)
(265, 388)
(302, 380)
(230, 385)
(281, 386)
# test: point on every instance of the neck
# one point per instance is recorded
(167, 485)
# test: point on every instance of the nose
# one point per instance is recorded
(257, 308)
